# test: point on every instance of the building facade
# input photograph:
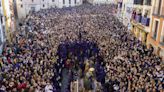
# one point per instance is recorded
(102, 1)
(25, 6)
(119, 8)
(156, 35)
(7, 6)
(7, 21)
(2, 27)
(124, 13)
(141, 18)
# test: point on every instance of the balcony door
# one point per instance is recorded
(157, 7)
(32, 9)
(155, 29)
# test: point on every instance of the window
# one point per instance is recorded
(2, 19)
(32, 9)
(21, 6)
(32, 0)
(147, 2)
(43, 5)
(69, 1)
(120, 5)
(157, 7)
(162, 8)
(63, 1)
(75, 2)
(43, 0)
(52, 0)
(155, 29)
(140, 2)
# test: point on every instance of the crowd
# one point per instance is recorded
(86, 39)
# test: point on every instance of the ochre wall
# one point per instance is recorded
(153, 42)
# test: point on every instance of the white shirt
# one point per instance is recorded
(116, 87)
(48, 88)
(3, 88)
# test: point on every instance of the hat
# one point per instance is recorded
(91, 69)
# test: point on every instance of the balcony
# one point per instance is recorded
(162, 43)
(147, 2)
(138, 18)
(145, 21)
(138, 2)
(141, 19)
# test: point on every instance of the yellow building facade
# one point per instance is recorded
(9, 18)
(6, 18)
(156, 36)
(141, 19)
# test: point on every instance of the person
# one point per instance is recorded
(40, 50)
(49, 88)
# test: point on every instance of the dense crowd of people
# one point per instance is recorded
(85, 41)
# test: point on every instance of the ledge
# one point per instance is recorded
(153, 38)
(162, 43)
(157, 15)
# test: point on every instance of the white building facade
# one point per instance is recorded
(102, 1)
(126, 12)
(25, 6)
(2, 27)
